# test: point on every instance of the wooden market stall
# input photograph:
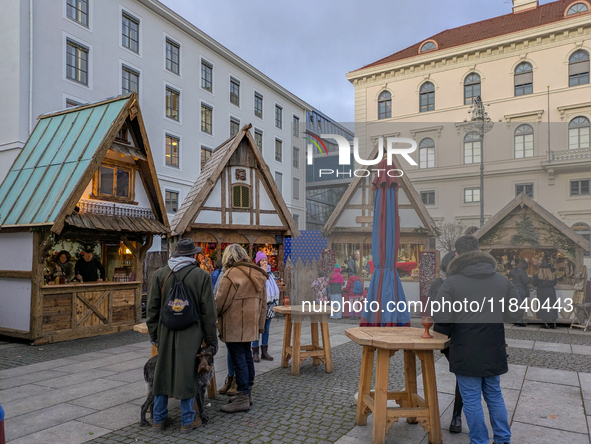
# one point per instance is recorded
(523, 229)
(85, 180)
(349, 229)
(235, 200)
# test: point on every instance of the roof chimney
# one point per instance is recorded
(523, 5)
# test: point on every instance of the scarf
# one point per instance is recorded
(271, 287)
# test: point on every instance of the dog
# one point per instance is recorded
(204, 367)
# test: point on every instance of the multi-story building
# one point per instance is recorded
(532, 67)
(194, 92)
(323, 191)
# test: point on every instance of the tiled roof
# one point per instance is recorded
(486, 29)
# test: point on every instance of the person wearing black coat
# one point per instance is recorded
(477, 353)
(521, 280)
(545, 281)
(455, 426)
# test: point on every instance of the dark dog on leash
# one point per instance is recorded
(204, 367)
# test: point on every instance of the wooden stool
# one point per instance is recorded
(294, 316)
(212, 390)
(386, 341)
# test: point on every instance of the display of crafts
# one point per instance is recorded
(507, 259)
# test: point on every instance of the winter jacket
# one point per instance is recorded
(175, 373)
(546, 295)
(336, 282)
(477, 346)
(241, 302)
(444, 329)
(520, 280)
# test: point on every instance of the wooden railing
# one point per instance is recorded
(114, 209)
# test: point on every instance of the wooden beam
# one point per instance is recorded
(279, 229)
(92, 307)
(16, 274)
(131, 247)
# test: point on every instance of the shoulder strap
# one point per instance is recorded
(162, 290)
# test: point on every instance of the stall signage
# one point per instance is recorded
(345, 154)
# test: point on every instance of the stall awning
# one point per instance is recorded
(127, 150)
(103, 222)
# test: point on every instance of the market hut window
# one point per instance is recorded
(241, 196)
(114, 182)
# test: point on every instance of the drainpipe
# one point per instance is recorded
(30, 67)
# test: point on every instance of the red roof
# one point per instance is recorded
(486, 29)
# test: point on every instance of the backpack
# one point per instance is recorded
(179, 310)
(357, 287)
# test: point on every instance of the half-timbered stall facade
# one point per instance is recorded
(236, 200)
(349, 229)
(523, 229)
(78, 210)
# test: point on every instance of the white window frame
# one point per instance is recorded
(90, 16)
(262, 133)
(232, 117)
(123, 63)
(180, 91)
(275, 178)
(65, 37)
(434, 197)
(278, 139)
(254, 94)
(295, 188)
(230, 78)
(299, 123)
(206, 148)
(175, 40)
(299, 156)
(173, 190)
(137, 17)
(277, 105)
(180, 139)
(203, 59)
(464, 189)
(209, 104)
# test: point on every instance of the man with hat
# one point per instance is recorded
(88, 268)
(175, 374)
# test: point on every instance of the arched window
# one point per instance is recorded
(578, 133)
(524, 141)
(240, 196)
(385, 105)
(427, 95)
(584, 230)
(427, 153)
(429, 46)
(578, 68)
(576, 8)
(524, 79)
(472, 148)
(471, 88)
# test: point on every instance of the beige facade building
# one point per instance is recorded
(531, 68)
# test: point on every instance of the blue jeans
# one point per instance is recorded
(161, 410)
(229, 361)
(472, 388)
(265, 334)
(243, 364)
(337, 297)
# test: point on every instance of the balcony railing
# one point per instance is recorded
(114, 209)
(582, 153)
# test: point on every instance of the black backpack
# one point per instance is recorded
(179, 310)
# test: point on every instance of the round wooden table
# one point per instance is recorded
(294, 316)
(388, 340)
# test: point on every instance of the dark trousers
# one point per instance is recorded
(458, 403)
(241, 355)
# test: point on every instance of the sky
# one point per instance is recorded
(308, 46)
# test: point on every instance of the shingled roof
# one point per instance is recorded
(486, 29)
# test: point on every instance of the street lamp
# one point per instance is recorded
(480, 123)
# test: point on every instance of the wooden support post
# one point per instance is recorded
(364, 385)
(431, 400)
(381, 397)
(315, 342)
(295, 357)
(286, 341)
(326, 344)
(410, 378)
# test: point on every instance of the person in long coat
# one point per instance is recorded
(521, 280)
(176, 374)
(455, 426)
(241, 302)
(545, 281)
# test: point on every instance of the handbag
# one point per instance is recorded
(270, 312)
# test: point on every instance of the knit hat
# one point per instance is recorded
(260, 256)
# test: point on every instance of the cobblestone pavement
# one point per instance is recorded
(552, 360)
(314, 407)
(559, 335)
(17, 354)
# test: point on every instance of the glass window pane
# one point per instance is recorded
(107, 180)
(122, 183)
